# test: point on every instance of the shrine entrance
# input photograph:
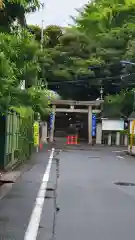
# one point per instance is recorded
(79, 113)
(79, 120)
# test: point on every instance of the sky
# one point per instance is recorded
(56, 12)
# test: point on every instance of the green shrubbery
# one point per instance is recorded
(25, 140)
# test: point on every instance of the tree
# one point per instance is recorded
(52, 35)
(74, 61)
(16, 10)
(36, 31)
(119, 105)
(22, 50)
(101, 16)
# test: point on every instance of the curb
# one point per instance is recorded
(7, 180)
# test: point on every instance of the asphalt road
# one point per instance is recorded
(91, 205)
(16, 207)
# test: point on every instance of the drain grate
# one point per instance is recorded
(50, 189)
(48, 197)
(49, 193)
(126, 184)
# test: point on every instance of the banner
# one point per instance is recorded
(132, 134)
(93, 125)
(51, 120)
(36, 134)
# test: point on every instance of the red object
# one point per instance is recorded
(71, 140)
(41, 146)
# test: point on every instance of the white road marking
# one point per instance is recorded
(120, 157)
(32, 230)
(117, 151)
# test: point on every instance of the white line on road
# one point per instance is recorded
(120, 157)
(32, 230)
(117, 151)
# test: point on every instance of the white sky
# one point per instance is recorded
(56, 12)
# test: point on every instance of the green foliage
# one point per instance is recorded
(39, 100)
(74, 62)
(24, 112)
(103, 35)
(52, 36)
(26, 132)
(21, 59)
(119, 105)
(15, 10)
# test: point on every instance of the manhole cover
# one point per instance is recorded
(127, 184)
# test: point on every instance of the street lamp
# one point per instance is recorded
(101, 88)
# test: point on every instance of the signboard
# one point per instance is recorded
(36, 134)
(93, 125)
(51, 120)
(112, 125)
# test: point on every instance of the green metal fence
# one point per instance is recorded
(16, 139)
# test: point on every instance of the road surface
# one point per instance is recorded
(91, 205)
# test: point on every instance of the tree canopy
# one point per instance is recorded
(74, 61)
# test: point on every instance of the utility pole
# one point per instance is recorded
(101, 93)
(42, 27)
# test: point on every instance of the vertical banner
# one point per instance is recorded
(51, 120)
(132, 134)
(36, 134)
(93, 125)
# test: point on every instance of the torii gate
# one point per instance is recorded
(92, 107)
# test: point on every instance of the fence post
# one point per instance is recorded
(109, 139)
(99, 133)
(126, 140)
(117, 138)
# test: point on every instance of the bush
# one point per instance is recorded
(25, 132)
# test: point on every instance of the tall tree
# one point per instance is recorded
(16, 10)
